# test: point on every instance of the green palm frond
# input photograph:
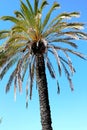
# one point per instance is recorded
(29, 6)
(27, 14)
(19, 28)
(4, 34)
(10, 18)
(36, 6)
(43, 4)
(55, 5)
(61, 17)
(19, 15)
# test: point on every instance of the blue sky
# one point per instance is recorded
(69, 109)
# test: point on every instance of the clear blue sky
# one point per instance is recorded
(69, 109)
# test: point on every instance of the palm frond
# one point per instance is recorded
(43, 4)
(19, 81)
(31, 70)
(60, 28)
(50, 68)
(69, 62)
(82, 35)
(76, 53)
(4, 34)
(19, 29)
(27, 14)
(73, 34)
(17, 38)
(30, 7)
(58, 87)
(19, 15)
(10, 18)
(75, 25)
(7, 55)
(71, 51)
(15, 87)
(57, 57)
(68, 76)
(66, 15)
(19, 78)
(3, 57)
(10, 81)
(52, 73)
(7, 67)
(27, 95)
(36, 2)
(25, 67)
(63, 16)
(55, 29)
(55, 5)
(65, 41)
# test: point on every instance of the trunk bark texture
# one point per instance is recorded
(43, 93)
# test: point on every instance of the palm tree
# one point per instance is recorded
(28, 44)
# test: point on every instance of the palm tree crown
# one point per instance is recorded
(31, 35)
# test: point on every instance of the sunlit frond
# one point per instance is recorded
(62, 16)
(55, 5)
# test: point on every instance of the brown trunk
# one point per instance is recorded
(43, 93)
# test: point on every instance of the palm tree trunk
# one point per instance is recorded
(43, 93)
